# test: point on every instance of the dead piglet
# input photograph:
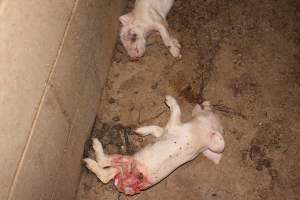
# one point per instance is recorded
(177, 143)
(146, 17)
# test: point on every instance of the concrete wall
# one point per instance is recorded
(54, 56)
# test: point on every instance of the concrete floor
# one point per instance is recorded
(241, 55)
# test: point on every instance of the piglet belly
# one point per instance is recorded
(159, 172)
(162, 158)
(150, 165)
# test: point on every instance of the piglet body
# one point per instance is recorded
(147, 16)
(177, 143)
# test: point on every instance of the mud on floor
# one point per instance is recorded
(241, 55)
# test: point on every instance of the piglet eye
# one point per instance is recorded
(133, 37)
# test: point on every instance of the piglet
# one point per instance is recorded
(146, 17)
(177, 143)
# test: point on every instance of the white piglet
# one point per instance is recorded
(177, 143)
(146, 17)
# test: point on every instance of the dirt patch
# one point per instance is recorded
(115, 138)
(244, 57)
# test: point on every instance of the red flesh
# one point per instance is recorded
(130, 179)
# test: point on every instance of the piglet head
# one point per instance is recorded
(132, 36)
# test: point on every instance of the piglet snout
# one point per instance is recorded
(134, 59)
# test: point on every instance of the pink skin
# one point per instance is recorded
(131, 177)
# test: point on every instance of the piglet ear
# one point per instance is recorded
(217, 143)
(126, 19)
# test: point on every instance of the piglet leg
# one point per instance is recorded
(156, 131)
(102, 159)
(104, 174)
(175, 116)
(170, 42)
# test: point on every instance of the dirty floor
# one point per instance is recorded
(244, 57)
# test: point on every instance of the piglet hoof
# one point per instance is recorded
(141, 131)
(175, 48)
(170, 101)
(206, 105)
(175, 52)
(196, 110)
(90, 164)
